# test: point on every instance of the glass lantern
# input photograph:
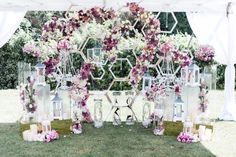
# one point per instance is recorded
(188, 126)
(98, 122)
(146, 114)
(46, 126)
(40, 73)
(57, 107)
(147, 81)
(96, 54)
(190, 75)
(178, 110)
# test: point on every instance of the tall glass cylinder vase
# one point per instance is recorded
(158, 117)
(210, 75)
(98, 122)
(24, 71)
(146, 114)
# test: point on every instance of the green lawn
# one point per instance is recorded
(109, 141)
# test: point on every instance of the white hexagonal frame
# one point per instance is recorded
(121, 59)
(167, 32)
(101, 77)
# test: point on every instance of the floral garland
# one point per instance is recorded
(79, 91)
(29, 95)
(167, 49)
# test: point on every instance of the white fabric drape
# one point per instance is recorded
(9, 22)
(219, 31)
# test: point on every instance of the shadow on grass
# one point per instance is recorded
(109, 141)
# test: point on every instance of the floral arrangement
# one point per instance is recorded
(182, 58)
(155, 91)
(50, 65)
(185, 138)
(79, 92)
(51, 136)
(76, 127)
(32, 49)
(205, 54)
(64, 35)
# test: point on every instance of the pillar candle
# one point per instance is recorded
(208, 134)
(25, 135)
(201, 131)
(34, 129)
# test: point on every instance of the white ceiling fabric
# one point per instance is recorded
(151, 5)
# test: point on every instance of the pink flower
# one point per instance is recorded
(63, 45)
(205, 53)
(166, 48)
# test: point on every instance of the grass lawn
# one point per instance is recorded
(109, 141)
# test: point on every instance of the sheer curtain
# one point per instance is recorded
(9, 22)
(218, 30)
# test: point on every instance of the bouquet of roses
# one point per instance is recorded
(205, 54)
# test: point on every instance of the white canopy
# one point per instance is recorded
(151, 5)
(212, 21)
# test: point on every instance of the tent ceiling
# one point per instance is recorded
(151, 5)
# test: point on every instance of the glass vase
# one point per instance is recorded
(98, 122)
(146, 114)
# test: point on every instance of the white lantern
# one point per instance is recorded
(40, 73)
(97, 56)
(147, 81)
(178, 110)
(98, 122)
(57, 107)
(188, 126)
(46, 126)
(190, 75)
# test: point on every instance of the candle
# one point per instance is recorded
(34, 129)
(30, 136)
(208, 134)
(25, 135)
(201, 131)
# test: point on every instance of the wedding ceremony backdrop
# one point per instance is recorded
(129, 46)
